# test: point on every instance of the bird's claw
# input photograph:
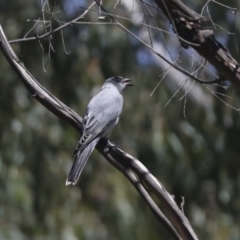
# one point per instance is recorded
(109, 147)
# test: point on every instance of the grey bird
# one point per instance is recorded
(100, 117)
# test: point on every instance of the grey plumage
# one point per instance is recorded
(100, 117)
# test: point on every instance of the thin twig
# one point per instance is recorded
(56, 29)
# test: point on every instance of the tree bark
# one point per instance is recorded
(188, 25)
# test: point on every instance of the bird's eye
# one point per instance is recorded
(118, 79)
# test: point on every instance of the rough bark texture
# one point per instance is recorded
(188, 25)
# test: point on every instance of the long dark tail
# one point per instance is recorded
(79, 163)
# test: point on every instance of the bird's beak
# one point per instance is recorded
(127, 83)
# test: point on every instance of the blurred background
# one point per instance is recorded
(186, 134)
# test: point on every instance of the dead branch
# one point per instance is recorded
(67, 24)
(188, 26)
(172, 64)
(127, 164)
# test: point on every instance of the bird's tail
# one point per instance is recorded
(79, 163)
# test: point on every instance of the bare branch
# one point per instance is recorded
(115, 156)
(188, 26)
(175, 214)
(190, 75)
(56, 29)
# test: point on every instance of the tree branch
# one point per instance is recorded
(188, 25)
(190, 75)
(56, 29)
(127, 164)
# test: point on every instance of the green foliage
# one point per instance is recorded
(196, 156)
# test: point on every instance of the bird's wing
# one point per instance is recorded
(93, 129)
(102, 111)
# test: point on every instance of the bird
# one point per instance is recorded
(100, 117)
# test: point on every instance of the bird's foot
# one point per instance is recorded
(109, 147)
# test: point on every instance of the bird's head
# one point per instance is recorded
(119, 82)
